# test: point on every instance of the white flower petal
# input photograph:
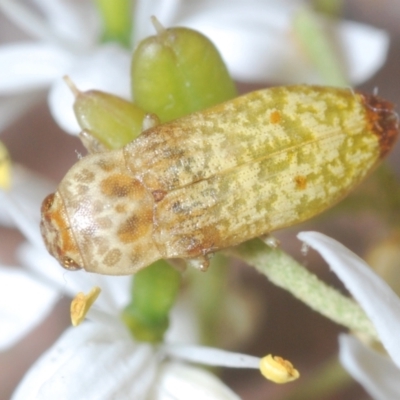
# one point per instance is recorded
(41, 264)
(255, 44)
(74, 21)
(209, 9)
(115, 289)
(88, 362)
(353, 39)
(27, 224)
(375, 296)
(183, 382)
(107, 69)
(31, 66)
(98, 362)
(28, 191)
(24, 303)
(25, 19)
(184, 322)
(375, 372)
(258, 45)
(101, 362)
(9, 32)
(256, 56)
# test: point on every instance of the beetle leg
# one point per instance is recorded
(270, 240)
(92, 145)
(201, 263)
(150, 121)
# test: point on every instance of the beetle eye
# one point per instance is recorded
(47, 203)
(70, 264)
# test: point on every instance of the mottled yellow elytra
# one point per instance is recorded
(215, 178)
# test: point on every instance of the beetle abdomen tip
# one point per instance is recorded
(382, 120)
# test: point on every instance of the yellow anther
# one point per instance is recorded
(81, 304)
(5, 168)
(278, 370)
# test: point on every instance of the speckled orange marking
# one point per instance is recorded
(104, 223)
(301, 182)
(118, 186)
(106, 165)
(134, 227)
(85, 176)
(275, 117)
(112, 257)
(120, 208)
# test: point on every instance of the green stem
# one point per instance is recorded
(332, 8)
(209, 292)
(153, 294)
(318, 47)
(285, 272)
(117, 20)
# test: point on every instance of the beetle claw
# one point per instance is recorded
(201, 263)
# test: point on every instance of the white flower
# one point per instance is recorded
(379, 374)
(100, 360)
(254, 36)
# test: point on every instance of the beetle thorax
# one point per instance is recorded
(110, 214)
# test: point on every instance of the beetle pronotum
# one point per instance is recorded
(215, 178)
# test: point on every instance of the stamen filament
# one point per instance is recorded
(211, 356)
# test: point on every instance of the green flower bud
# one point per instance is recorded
(177, 72)
(111, 120)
